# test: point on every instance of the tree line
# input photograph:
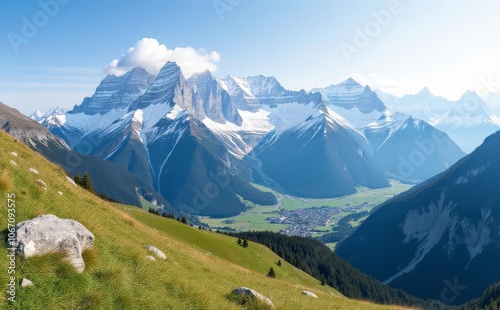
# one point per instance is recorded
(316, 259)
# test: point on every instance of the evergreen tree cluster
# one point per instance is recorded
(243, 242)
(84, 181)
(183, 219)
(316, 259)
(490, 300)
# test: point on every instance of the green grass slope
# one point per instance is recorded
(201, 268)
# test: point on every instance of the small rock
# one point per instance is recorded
(310, 294)
(48, 234)
(41, 183)
(151, 258)
(13, 154)
(33, 170)
(26, 283)
(60, 193)
(13, 163)
(70, 180)
(157, 252)
(245, 291)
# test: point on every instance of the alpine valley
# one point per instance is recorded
(202, 142)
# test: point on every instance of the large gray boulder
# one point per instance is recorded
(248, 292)
(48, 234)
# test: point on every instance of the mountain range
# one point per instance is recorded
(202, 142)
(468, 121)
(441, 238)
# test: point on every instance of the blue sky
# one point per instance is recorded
(399, 46)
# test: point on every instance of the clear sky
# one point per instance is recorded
(55, 52)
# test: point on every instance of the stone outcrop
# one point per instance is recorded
(248, 292)
(48, 234)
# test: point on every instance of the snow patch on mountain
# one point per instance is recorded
(471, 175)
(477, 236)
(56, 120)
(428, 227)
(137, 119)
(160, 171)
(40, 116)
(233, 84)
(174, 113)
(87, 122)
(356, 117)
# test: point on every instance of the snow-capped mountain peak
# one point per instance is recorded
(40, 116)
(263, 86)
(239, 90)
(425, 92)
(469, 111)
(211, 100)
(350, 95)
(116, 92)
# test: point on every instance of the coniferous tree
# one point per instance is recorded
(86, 182)
(240, 243)
(279, 262)
(245, 243)
(77, 179)
(271, 273)
(184, 220)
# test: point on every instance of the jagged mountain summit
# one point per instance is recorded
(116, 92)
(468, 121)
(160, 137)
(184, 136)
(443, 232)
(302, 147)
(40, 116)
(424, 105)
(409, 149)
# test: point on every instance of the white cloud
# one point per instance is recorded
(149, 54)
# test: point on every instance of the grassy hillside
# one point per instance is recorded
(201, 268)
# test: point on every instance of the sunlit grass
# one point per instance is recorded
(201, 268)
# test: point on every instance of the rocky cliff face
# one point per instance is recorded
(116, 92)
(444, 230)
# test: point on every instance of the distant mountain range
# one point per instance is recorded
(40, 116)
(201, 142)
(440, 239)
(468, 121)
